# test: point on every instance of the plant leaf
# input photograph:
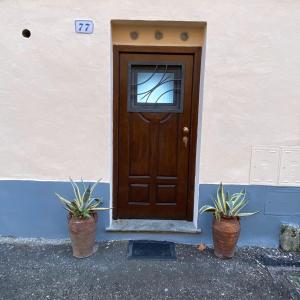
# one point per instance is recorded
(218, 201)
(68, 209)
(223, 198)
(243, 205)
(86, 195)
(63, 200)
(207, 208)
(101, 208)
(230, 204)
(92, 202)
(238, 205)
(237, 196)
(96, 204)
(218, 215)
(83, 184)
(247, 214)
(76, 193)
(94, 185)
(217, 205)
(227, 196)
(76, 189)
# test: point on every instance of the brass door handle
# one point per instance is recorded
(185, 129)
(185, 141)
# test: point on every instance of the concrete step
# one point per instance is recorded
(161, 226)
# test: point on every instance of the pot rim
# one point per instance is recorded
(94, 215)
(229, 217)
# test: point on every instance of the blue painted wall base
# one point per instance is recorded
(30, 209)
(277, 205)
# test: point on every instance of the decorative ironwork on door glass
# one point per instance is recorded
(155, 87)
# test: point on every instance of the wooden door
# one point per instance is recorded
(155, 138)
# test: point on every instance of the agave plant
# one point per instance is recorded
(228, 205)
(84, 203)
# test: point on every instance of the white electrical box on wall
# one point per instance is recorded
(264, 165)
(290, 166)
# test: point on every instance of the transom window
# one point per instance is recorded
(155, 87)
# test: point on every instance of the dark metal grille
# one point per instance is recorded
(155, 87)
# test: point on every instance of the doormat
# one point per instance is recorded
(151, 250)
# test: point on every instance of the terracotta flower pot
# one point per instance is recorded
(225, 236)
(83, 235)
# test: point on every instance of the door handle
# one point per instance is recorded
(185, 129)
(185, 141)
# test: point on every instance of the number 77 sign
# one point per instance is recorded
(84, 26)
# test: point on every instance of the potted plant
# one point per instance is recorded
(82, 218)
(226, 222)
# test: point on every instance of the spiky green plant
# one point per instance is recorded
(227, 205)
(84, 204)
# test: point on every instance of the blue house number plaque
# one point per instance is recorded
(84, 26)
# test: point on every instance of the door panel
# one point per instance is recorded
(167, 152)
(153, 158)
(139, 139)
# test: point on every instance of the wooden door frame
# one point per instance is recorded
(196, 52)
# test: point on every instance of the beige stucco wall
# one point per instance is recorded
(56, 87)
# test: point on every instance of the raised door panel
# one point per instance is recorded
(139, 141)
(167, 151)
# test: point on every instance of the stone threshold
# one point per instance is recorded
(154, 226)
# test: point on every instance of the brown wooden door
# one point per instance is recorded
(155, 135)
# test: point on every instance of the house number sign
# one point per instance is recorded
(84, 26)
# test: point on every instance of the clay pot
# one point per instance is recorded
(83, 235)
(225, 236)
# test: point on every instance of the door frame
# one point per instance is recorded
(196, 52)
